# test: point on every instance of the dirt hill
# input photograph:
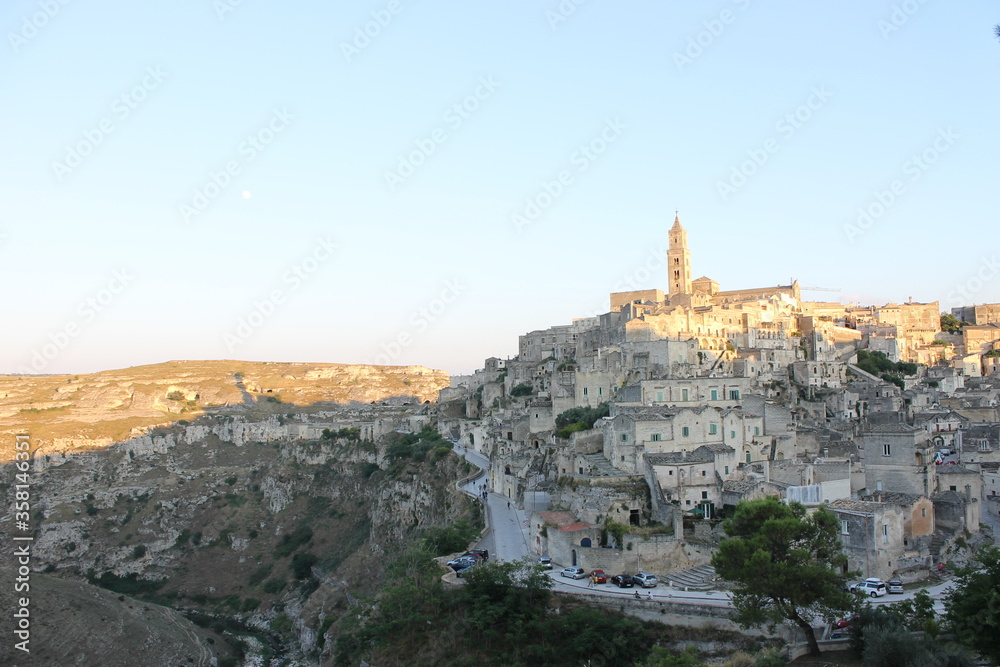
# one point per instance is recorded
(67, 412)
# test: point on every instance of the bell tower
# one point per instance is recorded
(678, 260)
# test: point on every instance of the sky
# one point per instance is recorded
(403, 182)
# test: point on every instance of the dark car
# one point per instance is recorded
(463, 562)
(623, 581)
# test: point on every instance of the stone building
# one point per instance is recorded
(872, 535)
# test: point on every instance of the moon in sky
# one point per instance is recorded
(246, 194)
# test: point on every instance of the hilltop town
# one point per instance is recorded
(629, 435)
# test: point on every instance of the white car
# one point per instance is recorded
(546, 563)
(573, 572)
(871, 586)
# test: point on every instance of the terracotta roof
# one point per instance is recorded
(574, 527)
(893, 497)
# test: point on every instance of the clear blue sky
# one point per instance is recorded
(115, 113)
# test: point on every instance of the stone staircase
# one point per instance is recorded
(599, 466)
(701, 578)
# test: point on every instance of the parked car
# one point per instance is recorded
(545, 563)
(623, 581)
(599, 577)
(482, 553)
(645, 579)
(871, 586)
(844, 622)
(573, 572)
(895, 586)
(463, 562)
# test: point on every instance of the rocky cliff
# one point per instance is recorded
(265, 537)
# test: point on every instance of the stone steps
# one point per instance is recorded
(599, 466)
(701, 578)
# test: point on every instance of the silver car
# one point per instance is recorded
(645, 579)
(573, 572)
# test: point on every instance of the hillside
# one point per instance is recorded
(263, 538)
(75, 623)
(68, 412)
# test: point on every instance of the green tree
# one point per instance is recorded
(785, 565)
(522, 390)
(972, 606)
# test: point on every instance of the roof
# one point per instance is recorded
(679, 458)
(954, 470)
(864, 506)
(740, 485)
(889, 428)
(558, 518)
(892, 497)
(574, 527)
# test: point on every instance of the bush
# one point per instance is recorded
(302, 565)
(249, 605)
(139, 551)
(273, 586)
(290, 542)
(522, 390)
(449, 539)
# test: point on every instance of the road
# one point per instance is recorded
(508, 537)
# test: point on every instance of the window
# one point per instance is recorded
(702, 473)
(704, 495)
(713, 429)
(748, 457)
(953, 488)
(715, 394)
(732, 434)
(756, 430)
(984, 445)
(623, 457)
(624, 437)
(655, 437)
(923, 511)
(687, 502)
(843, 527)
(671, 473)
(885, 533)
(659, 397)
(727, 470)
(684, 394)
(685, 431)
(886, 450)
(584, 391)
(734, 394)
(600, 391)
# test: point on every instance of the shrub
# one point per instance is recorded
(273, 586)
(302, 565)
(522, 389)
(290, 542)
(260, 574)
(139, 551)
